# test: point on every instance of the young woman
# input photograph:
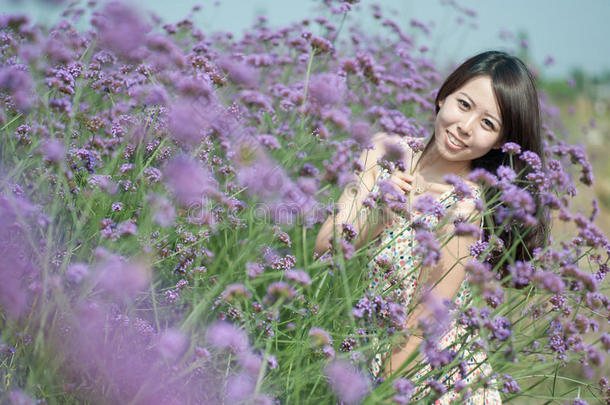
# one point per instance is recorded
(488, 101)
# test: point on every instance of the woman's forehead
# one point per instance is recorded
(479, 90)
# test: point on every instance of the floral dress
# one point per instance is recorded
(395, 245)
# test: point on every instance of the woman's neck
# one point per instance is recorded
(433, 168)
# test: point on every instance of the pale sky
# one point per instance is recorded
(574, 33)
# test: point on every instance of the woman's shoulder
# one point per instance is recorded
(380, 142)
(380, 139)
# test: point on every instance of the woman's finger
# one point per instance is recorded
(409, 178)
(401, 184)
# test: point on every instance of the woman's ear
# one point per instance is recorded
(498, 144)
(440, 103)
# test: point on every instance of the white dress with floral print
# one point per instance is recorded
(396, 244)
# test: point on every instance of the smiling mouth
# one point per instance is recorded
(455, 142)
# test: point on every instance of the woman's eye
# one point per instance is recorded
(463, 103)
(489, 124)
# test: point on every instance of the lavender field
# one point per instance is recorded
(161, 189)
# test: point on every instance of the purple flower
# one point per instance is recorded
(394, 154)
(329, 352)
(428, 205)
(225, 336)
(510, 385)
(121, 278)
(151, 95)
(256, 99)
(512, 148)
(437, 358)
(53, 150)
(120, 29)
(404, 390)
(321, 45)
(531, 159)
(482, 176)
(398, 315)
(436, 325)
(127, 228)
(282, 236)
(189, 181)
(416, 144)
(549, 281)
(309, 170)
(172, 344)
(191, 120)
(427, 247)
(319, 337)
(420, 25)
(198, 92)
(239, 388)
(17, 397)
(460, 188)
(267, 181)
(519, 204)
(387, 188)
(298, 276)
(585, 278)
(13, 267)
(76, 272)
(605, 339)
(239, 73)
(521, 272)
(272, 362)
(467, 228)
(279, 289)
(250, 362)
(479, 273)
(18, 83)
(349, 232)
(235, 291)
(348, 344)
(152, 175)
(361, 133)
(254, 269)
(394, 121)
(437, 386)
(500, 328)
(269, 141)
(327, 89)
(493, 295)
(478, 248)
(111, 349)
(350, 384)
(506, 174)
(164, 213)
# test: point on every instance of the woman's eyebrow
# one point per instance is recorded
(474, 104)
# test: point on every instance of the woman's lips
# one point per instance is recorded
(450, 144)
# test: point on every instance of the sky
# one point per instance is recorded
(574, 33)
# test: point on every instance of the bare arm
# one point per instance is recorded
(350, 208)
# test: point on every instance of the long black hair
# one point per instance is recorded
(517, 98)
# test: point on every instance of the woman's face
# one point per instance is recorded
(468, 123)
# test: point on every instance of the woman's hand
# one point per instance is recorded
(402, 182)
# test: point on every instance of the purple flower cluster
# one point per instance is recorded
(197, 155)
(460, 188)
(350, 384)
(427, 248)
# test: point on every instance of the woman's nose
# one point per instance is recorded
(467, 123)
